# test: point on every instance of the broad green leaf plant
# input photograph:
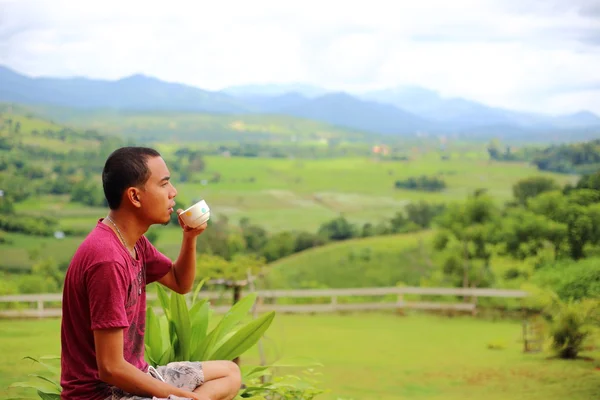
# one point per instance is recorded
(182, 333)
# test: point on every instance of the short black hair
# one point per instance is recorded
(124, 168)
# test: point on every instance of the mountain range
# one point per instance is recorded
(406, 110)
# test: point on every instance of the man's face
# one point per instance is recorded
(158, 194)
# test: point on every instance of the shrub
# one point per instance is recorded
(572, 325)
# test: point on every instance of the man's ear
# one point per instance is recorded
(134, 196)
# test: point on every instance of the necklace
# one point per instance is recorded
(120, 235)
(139, 278)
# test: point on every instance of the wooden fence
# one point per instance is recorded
(330, 300)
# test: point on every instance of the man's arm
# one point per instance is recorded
(115, 371)
(181, 277)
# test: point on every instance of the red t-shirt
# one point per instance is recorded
(104, 288)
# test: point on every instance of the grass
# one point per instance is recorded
(16, 255)
(378, 356)
(369, 262)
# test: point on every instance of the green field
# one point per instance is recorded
(285, 194)
(379, 356)
(369, 262)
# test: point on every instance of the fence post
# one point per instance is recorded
(40, 307)
(334, 303)
(400, 303)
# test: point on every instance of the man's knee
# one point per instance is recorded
(235, 375)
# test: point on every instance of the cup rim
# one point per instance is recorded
(195, 204)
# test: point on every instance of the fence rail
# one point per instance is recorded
(33, 305)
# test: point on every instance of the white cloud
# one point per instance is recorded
(506, 53)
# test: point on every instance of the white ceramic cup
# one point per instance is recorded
(196, 215)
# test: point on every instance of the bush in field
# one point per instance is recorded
(572, 323)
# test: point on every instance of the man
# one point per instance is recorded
(104, 296)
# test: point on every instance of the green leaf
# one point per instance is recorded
(53, 383)
(199, 321)
(49, 367)
(195, 295)
(164, 331)
(167, 357)
(244, 338)
(153, 335)
(164, 300)
(231, 318)
(37, 386)
(183, 329)
(151, 360)
(48, 396)
(195, 309)
(254, 372)
(50, 358)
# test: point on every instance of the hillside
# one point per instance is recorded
(369, 262)
(42, 165)
(178, 126)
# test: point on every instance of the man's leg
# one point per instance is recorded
(222, 380)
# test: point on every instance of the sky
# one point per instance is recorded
(530, 55)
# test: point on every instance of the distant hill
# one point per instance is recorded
(344, 110)
(460, 114)
(176, 126)
(397, 111)
(137, 92)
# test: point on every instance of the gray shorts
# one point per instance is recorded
(187, 375)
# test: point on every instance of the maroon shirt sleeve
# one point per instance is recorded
(107, 287)
(157, 264)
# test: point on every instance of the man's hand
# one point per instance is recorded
(192, 232)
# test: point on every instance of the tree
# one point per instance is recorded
(523, 234)
(338, 229)
(494, 149)
(254, 235)
(575, 210)
(279, 245)
(466, 235)
(531, 187)
(307, 240)
(423, 213)
(6, 205)
(589, 181)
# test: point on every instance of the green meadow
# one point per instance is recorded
(368, 262)
(286, 194)
(379, 356)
